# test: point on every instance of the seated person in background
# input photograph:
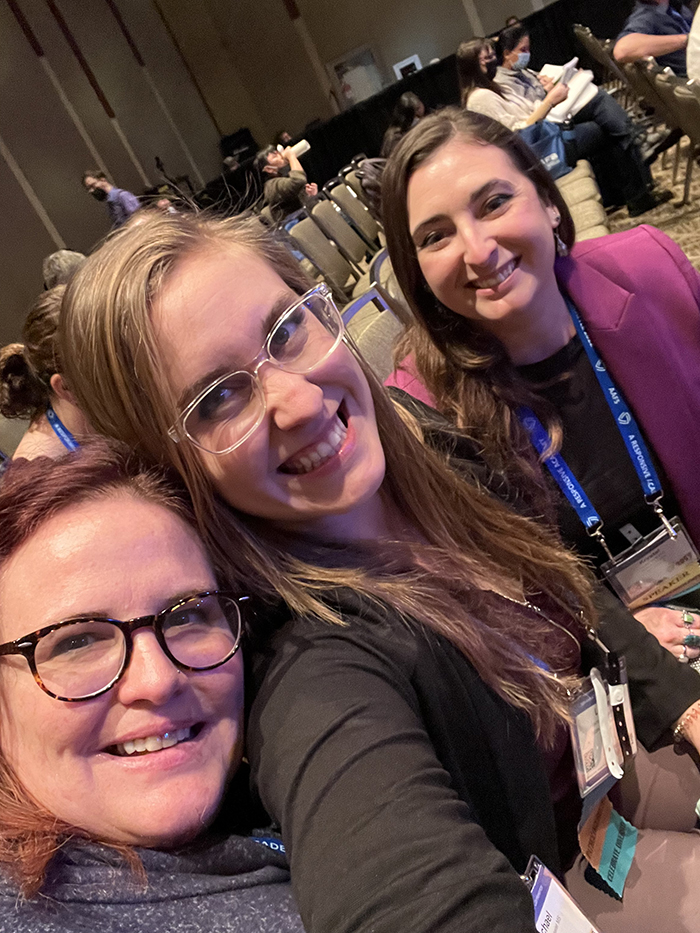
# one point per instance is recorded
(58, 267)
(408, 111)
(655, 27)
(628, 180)
(286, 187)
(513, 73)
(31, 385)
(121, 204)
(101, 797)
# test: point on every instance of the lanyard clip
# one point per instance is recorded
(657, 507)
(596, 531)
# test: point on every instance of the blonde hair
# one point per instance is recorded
(464, 535)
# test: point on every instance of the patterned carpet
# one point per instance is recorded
(682, 224)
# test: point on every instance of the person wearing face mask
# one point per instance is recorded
(121, 204)
(620, 172)
(602, 109)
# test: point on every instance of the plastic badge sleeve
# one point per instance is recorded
(555, 910)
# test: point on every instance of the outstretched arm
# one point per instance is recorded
(636, 45)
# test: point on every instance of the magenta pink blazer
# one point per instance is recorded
(639, 297)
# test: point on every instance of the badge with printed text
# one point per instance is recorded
(658, 567)
(596, 746)
(555, 909)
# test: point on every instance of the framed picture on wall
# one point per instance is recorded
(407, 67)
(355, 76)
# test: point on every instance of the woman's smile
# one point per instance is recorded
(316, 453)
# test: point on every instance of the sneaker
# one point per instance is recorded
(648, 201)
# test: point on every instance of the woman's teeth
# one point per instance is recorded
(314, 457)
(154, 743)
(496, 279)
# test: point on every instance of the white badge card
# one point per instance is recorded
(656, 568)
(597, 752)
(555, 909)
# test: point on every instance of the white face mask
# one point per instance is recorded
(522, 61)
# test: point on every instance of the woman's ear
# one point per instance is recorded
(58, 387)
(554, 216)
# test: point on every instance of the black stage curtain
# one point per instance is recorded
(360, 128)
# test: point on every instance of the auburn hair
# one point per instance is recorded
(32, 493)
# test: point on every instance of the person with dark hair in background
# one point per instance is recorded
(627, 181)
(408, 111)
(287, 188)
(121, 204)
(657, 28)
(31, 385)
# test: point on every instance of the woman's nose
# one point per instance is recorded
(292, 400)
(151, 676)
(479, 246)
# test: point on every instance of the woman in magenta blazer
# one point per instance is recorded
(482, 245)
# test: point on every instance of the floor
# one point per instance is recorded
(682, 224)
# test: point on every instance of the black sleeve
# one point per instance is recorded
(661, 689)
(377, 838)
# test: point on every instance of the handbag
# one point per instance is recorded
(547, 142)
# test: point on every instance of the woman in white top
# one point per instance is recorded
(626, 184)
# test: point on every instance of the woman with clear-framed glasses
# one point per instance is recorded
(409, 725)
(121, 683)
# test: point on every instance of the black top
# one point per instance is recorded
(596, 453)
(404, 787)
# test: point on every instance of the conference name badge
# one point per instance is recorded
(658, 567)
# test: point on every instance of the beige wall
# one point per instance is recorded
(43, 144)
(248, 62)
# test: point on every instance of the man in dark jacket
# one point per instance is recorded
(286, 186)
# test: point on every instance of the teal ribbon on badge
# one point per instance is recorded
(618, 852)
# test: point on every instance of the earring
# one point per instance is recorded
(562, 248)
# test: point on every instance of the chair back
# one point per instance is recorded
(688, 105)
(331, 222)
(323, 254)
(351, 205)
(376, 336)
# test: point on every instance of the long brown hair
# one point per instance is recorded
(469, 71)
(464, 537)
(466, 369)
(31, 493)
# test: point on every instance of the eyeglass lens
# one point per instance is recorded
(82, 658)
(300, 340)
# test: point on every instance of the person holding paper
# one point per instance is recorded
(590, 103)
(626, 182)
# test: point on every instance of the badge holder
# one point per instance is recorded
(555, 909)
(660, 566)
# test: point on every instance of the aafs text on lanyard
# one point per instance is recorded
(658, 566)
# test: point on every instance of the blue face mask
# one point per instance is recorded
(522, 61)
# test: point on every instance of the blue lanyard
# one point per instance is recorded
(61, 431)
(626, 425)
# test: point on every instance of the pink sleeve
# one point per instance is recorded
(406, 378)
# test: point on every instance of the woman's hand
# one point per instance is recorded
(668, 627)
(547, 83)
(558, 93)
